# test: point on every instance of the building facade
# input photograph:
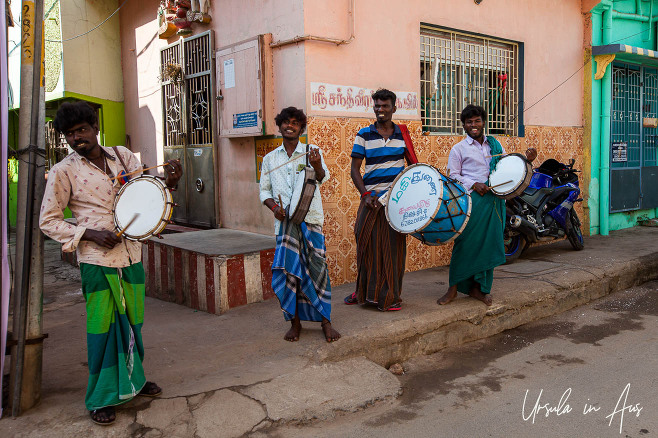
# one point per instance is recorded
(210, 97)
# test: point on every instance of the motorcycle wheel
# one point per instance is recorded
(574, 234)
(514, 246)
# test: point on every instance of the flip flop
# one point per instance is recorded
(108, 411)
(351, 299)
(150, 389)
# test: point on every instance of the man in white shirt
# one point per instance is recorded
(300, 278)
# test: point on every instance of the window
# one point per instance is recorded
(457, 69)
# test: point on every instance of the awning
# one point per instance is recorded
(626, 53)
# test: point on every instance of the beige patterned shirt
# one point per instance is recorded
(282, 182)
(89, 193)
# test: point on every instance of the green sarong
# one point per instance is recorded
(480, 247)
(115, 314)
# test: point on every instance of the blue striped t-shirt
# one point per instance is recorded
(384, 158)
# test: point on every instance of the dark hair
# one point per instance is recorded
(291, 113)
(473, 111)
(72, 113)
(384, 94)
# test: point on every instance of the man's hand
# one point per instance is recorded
(174, 171)
(104, 238)
(279, 213)
(315, 160)
(371, 202)
(531, 154)
(480, 188)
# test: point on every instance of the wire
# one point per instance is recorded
(93, 28)
(574, 73)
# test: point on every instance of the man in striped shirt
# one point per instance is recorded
(381, 251)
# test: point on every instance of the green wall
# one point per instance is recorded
(626, 28)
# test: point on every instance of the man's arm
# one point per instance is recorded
(357, 179)
(51, 219)
(266, 193)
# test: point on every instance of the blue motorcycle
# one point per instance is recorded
(544, 211)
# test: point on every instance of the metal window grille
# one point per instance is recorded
(457, 69)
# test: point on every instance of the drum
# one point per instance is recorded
(302, 195)
(511, 176)
(148, 196)
(428, 205)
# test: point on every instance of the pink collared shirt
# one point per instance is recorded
(89, 193)
(468, 162)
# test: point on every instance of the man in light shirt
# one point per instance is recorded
(480, 247)
(110, 266)
(300, 278)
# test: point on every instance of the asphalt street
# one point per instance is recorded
(588, 372)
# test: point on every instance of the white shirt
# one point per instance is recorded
(282, 181)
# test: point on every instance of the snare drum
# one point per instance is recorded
(511, 176)
(148, 196)
(428, 205)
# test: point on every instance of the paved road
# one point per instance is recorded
(601, 360)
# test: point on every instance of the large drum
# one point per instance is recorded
(151, 199)
(428, 205)
(511, 176)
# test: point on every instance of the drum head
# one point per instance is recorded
(510, 170)
(144, 195)
(414, 198)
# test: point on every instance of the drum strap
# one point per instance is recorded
(116, 151)
(409, 152)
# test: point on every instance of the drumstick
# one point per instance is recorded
(137, 171)
(130, 222)
(289, 161)
(501, 184)
(497, 155)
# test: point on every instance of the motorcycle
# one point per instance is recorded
(544, 211)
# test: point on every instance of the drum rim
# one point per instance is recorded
(520, 183)
(461, 229)
(438, 206)
(164, 218)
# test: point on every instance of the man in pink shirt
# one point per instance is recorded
(480, 247)
(110, 266)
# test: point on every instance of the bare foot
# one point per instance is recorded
(478, 295)
(293, 334)
(329, 333)
(448, 297)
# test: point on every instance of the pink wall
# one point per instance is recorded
(233, 21)
(386, 49)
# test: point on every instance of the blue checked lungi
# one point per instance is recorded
(300, 278)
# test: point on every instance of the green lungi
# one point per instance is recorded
(480, 247)
(115, 314)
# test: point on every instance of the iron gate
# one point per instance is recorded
(187, 103)
(633, 166)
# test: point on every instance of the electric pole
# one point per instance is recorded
(27, 354)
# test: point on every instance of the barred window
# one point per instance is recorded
(457, 69)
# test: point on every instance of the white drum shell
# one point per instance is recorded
(148, 196)
(515, 169)
(412, 193)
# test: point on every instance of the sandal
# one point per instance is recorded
(394, 307)
(351, 299)
(103, 416)
(150, 389)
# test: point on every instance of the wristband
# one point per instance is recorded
(366, 194)
(274, 206)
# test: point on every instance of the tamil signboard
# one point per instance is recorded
(331, 98)
(619, 150)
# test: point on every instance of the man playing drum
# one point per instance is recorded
(480, 248)
(300, 277)
(110, 266)
(380, 250)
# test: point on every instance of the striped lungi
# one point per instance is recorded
(300, 278)
(380, 258)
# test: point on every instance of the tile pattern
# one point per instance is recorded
(340, 199)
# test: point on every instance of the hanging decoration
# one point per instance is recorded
(177, 16)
